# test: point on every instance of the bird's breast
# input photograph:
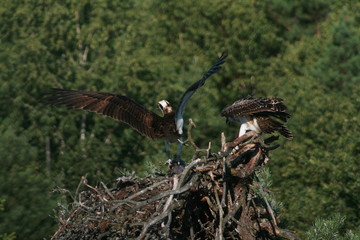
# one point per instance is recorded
(253, 125)
(167, 127)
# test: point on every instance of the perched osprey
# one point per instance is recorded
(122, 108)
(255, 113)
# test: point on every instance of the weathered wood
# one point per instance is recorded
(213, 197)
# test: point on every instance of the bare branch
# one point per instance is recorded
(212, 198)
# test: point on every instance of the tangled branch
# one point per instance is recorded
(213, 197)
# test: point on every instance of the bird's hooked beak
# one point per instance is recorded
(159, 107)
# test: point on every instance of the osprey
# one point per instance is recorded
(122, 108)
(255, 113)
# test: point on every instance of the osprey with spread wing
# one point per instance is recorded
(122, 108)
(257, 113)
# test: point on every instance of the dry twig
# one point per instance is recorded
(211, 198)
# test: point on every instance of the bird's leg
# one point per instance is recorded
(176, 166)
(167, 150)
(179, 152)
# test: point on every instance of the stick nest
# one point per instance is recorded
(216, 196)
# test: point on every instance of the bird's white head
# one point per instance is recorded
(164, 107)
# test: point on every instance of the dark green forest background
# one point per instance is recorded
(306, 52)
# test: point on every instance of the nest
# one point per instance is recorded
(216, 196)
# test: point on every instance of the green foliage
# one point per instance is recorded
(2, 201)
(264, 183)
(317, 172)
(25, 189)
(297, 18)
(331, 228)
(7, 236)
(306, 52)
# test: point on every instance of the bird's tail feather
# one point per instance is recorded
(270, 126)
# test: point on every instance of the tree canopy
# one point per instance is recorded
(304, 52)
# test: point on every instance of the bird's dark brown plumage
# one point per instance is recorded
(125, 109)
(118, 107)
(261, 109)
(252, 106)
(269, 126)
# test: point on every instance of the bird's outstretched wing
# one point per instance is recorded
(192, 89)
(257, 106)
(115, 106)
(269, 126)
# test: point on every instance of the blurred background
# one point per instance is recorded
(306, 52)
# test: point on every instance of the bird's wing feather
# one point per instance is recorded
(249, 105)
(191, 90)
(268, 125)
(115, 106)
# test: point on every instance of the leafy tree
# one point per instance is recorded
(5, 236)
(298, 18)
(131, 48)
(153, 50)
(316, 173)
(25, 190)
